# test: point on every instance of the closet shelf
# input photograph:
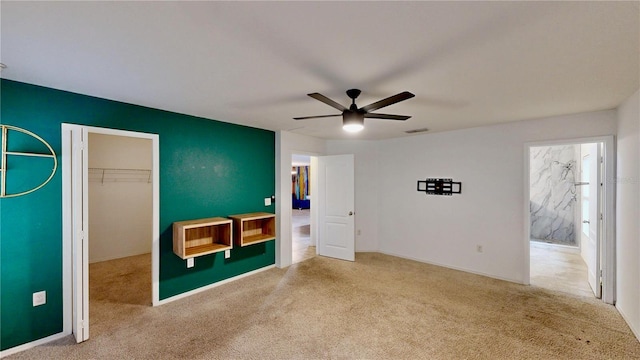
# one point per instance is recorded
(103, 175)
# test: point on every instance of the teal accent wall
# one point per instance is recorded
(207, 168)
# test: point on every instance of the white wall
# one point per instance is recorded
(366, 191)
(628, 213)
(120, 213)
(287, 144)
(489, 161)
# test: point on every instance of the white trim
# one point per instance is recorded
(609, 222)
(155, 247)
(155, 170)
(608, 241)
(283, 256)
(526, 271)
(211, 286)
(313, 216)
(67, 211)
(635, 331)
(66, 229)
(284, 241)
(470, 271)
(30, 345)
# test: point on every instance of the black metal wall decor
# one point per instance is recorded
(434, 186)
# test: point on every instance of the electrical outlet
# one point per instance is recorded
(267, 201)
(479, 248)
(227, 254)
(191, 262)
(39, 298)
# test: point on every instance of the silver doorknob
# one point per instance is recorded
(586, 222)
(350, 213)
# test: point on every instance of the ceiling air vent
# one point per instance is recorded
(414, 131)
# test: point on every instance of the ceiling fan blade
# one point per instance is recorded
(327, 101)
(386, 116)
(388, 101)
(315, 117)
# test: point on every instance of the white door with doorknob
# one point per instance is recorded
(335, 201)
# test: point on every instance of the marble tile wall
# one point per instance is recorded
(553, 196)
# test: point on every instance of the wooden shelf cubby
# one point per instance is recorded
(253, 228)
(199, 237)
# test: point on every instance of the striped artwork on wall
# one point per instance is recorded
(300, 182)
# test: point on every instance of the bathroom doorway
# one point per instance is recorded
(568, 216)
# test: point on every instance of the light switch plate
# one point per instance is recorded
(267, 201)
(39, 298)
(190, 262)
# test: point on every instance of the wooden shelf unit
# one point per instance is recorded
(193, 238)
(253, 228)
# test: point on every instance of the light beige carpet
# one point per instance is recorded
(379, 307)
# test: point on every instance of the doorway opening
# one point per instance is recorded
(110, 222)
(120, 223)
(303, 248)
(569, 216)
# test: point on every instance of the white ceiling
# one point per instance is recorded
(252, 63)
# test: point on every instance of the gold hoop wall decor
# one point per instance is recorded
(5, 154)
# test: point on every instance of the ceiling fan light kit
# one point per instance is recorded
(353, 117)
(353, 122)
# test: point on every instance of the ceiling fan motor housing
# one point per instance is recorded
(353, 93)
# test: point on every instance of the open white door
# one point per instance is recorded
(74, 137)
(591, 195)
(334, 198)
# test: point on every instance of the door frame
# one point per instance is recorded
(312, 211)
(607, 242)
(72, 260)
(284, 243)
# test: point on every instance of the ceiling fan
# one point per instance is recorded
(353, 117)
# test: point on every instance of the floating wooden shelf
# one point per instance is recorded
(253, 228)
(201, 237)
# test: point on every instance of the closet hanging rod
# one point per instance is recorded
(120, 175)
(117, 169)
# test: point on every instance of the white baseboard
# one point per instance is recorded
(211, 286)
(629, 323)
(366, 250)
(32, 344)
(451, 267)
